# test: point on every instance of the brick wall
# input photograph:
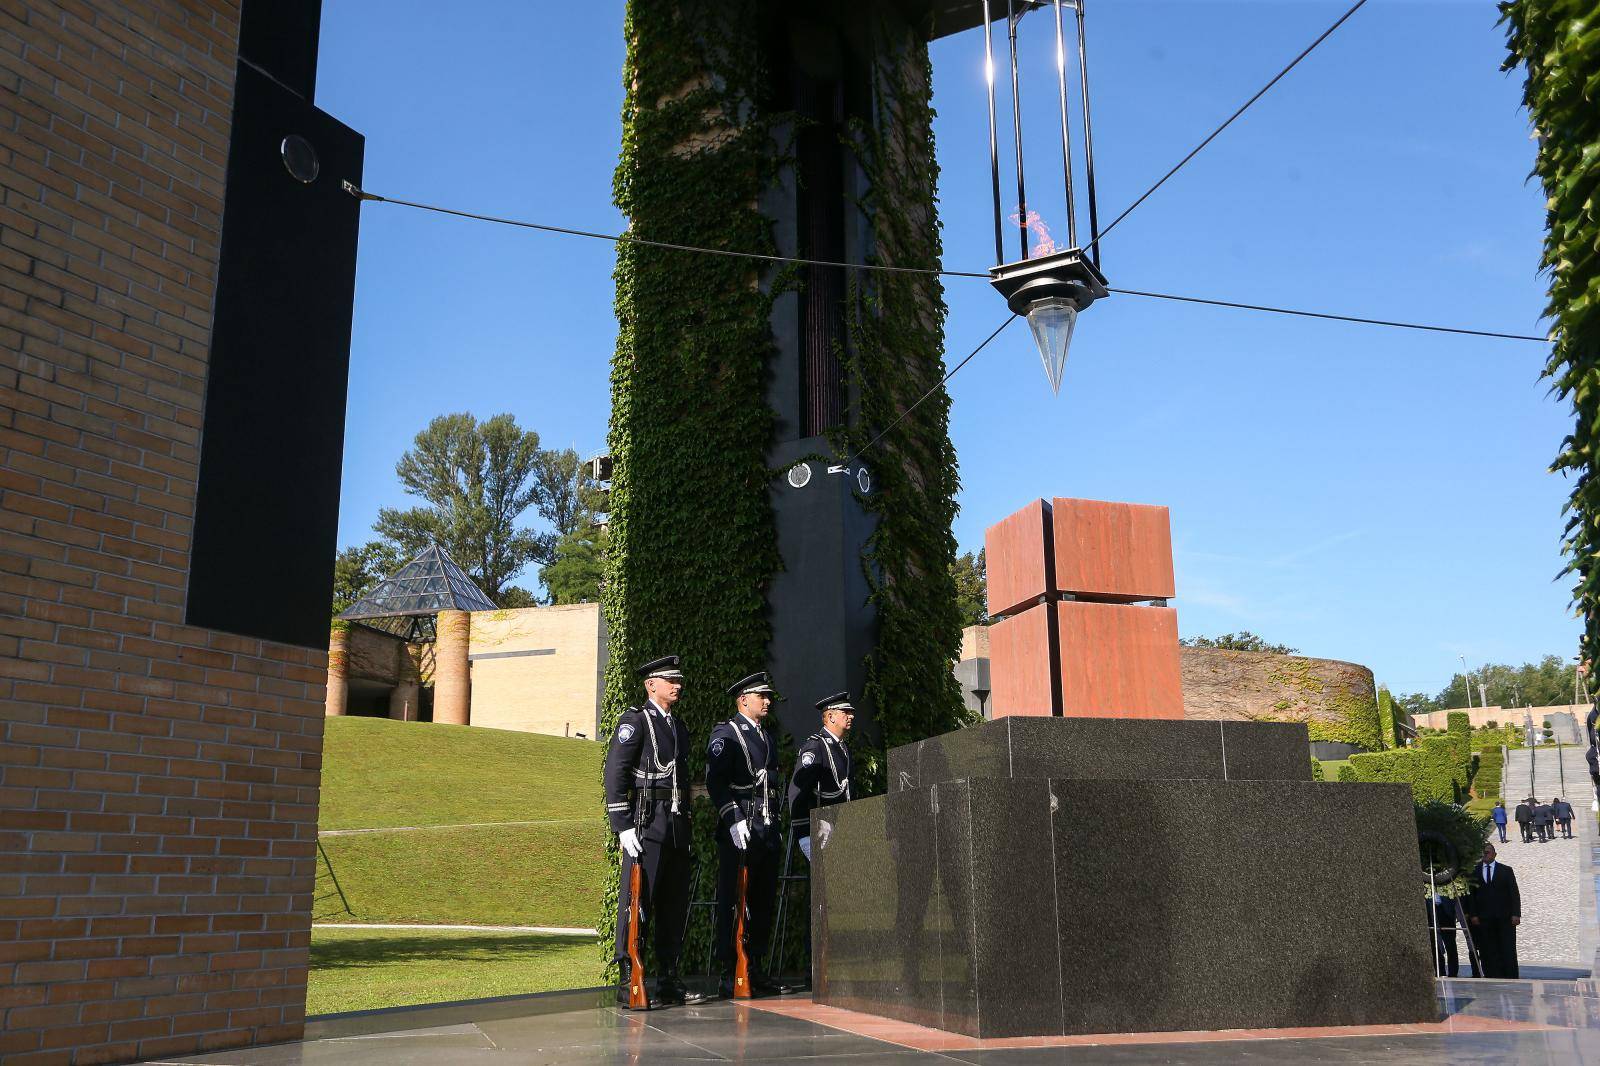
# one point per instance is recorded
(158, 783)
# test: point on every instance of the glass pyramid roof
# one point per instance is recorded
(405, 602)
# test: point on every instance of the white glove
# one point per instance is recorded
(739, 833)
(823, 833)
(805, 847)
(629, 839)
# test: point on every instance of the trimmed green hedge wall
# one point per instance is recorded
(1430, 768)
(1459, 729)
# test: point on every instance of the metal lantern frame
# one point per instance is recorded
(1068, 278)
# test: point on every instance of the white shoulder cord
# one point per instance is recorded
(758, 779)
(655, 756)
(844, 786)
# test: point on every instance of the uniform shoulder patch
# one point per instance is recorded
(808, 758)
(716, 746)
(625, 732)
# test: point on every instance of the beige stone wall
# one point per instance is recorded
(539, 669)
(1253, 685)
(974, 643)
(1482, 716)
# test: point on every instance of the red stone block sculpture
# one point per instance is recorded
(1024, 643)
(1117, 661)
(1078, 588)
(1114, 552)
(1016, 553)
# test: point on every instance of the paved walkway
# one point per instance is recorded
(1484, 1023)
(1557, 928)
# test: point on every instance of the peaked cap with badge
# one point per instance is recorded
(666, 667)
(760, 682)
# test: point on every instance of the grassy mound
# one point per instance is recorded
(380, 774)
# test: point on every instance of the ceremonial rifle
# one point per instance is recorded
(741, 957)
(637, 1000)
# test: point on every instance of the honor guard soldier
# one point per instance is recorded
(647, 804)
(821, 767)
(742, 780)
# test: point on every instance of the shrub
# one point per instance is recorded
(1347, 773)
(1464, 831)
(1316, 770)
(1459, 730)
(1429, 767)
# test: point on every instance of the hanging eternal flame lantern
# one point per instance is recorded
(1048, 285)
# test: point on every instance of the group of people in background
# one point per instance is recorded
(1536, 820)
(648, 797)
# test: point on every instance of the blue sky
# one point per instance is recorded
(1360, 493)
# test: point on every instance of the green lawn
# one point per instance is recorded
(496, 875)
(381, 774)
(377, 772)
(363, 969)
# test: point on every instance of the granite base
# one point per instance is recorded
(1015, 906)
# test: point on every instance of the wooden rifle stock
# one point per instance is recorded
(741, 958)
(637, 1000)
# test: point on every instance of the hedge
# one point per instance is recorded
(1459, 730)
(1430, 768)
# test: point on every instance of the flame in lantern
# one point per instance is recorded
(1041, 232)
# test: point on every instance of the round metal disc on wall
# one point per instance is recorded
(799, 475)
(300, 159)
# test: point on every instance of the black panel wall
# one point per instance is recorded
(268, 498)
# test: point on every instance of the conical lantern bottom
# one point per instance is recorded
(1052, 321)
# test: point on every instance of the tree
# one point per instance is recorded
(575, 575)
(1546, 683)
(1241, 641)
(358, 569)
(477, 479)
(1418, 703)
(567, 497)
(970, 573)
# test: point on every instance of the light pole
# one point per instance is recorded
(1466, 682)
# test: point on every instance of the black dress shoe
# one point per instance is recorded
(762, 985)
(671, 991)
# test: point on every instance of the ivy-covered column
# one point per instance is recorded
(796, 131)
(691, 543)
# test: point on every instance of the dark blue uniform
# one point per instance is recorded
(742, 780)
(647, 788)
(821, 776)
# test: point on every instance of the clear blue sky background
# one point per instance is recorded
(1360, 493)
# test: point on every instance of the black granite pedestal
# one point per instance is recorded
(1062, 876)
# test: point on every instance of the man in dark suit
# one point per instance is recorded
(1494, 910)
(1543, 821)
(1563, 815)
(1524, 818)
